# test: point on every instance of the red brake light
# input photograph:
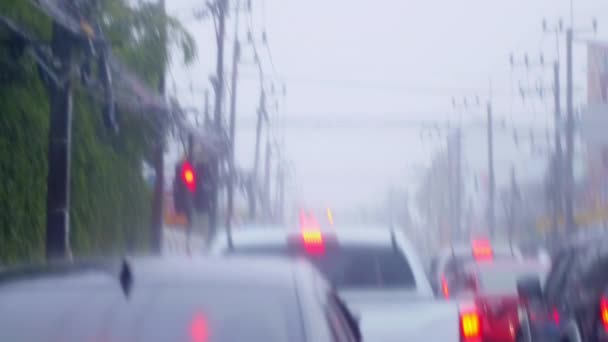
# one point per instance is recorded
(188, 176)
(482, 250)
(445, 288)
(470, 326)
(604, 312)
(555, 315)
(199, 330)
(313, 241)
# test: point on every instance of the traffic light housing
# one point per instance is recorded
(193, 187)
(184, 187)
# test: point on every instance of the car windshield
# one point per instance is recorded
(349, 267)
(150, 128)
(178, 313)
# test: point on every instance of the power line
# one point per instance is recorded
(374, 121)
(373, 85)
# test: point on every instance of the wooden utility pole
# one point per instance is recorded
(159, 156)
(256, 154)
(59, 152)
(558, 193)
(569, 177)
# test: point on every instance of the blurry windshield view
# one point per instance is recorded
(400, 141)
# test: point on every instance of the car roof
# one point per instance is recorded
(467, 249)
(89, 301)
(376, 235)
(230, 270)
(504, 264)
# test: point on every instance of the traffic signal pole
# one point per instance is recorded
(57, 241)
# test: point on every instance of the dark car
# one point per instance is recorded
(572, 305)
(206, 300)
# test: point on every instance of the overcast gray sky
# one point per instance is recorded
(377, 61)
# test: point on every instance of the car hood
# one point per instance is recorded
(387, 316)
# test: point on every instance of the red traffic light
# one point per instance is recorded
(188, 176)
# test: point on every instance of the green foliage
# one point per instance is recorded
(23, 147)
(110, 202)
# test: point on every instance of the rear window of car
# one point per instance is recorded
(350, 266)
(163, 313)
(459, 260)
(503, 280)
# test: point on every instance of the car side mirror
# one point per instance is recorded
(529, 287)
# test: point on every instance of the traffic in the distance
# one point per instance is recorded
(317, 282)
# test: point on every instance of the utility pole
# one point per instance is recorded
(59, 155)
(159, 158)
(491, 218)
(557, 162)
(558, 198)
(217, 115)
(569, 177)
(456, 207)
(207, 118)
(450, 181)
(280, 191)
(232, 137)
(458, 192)
(256, 153)
(569, 188)
(266, 189)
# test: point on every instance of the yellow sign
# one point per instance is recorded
(582, 219)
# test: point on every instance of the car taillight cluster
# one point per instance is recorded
(470, 325)
(313, 241)
(604, 312)
(482, 250)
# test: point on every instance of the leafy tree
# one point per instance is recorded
(110, 201)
